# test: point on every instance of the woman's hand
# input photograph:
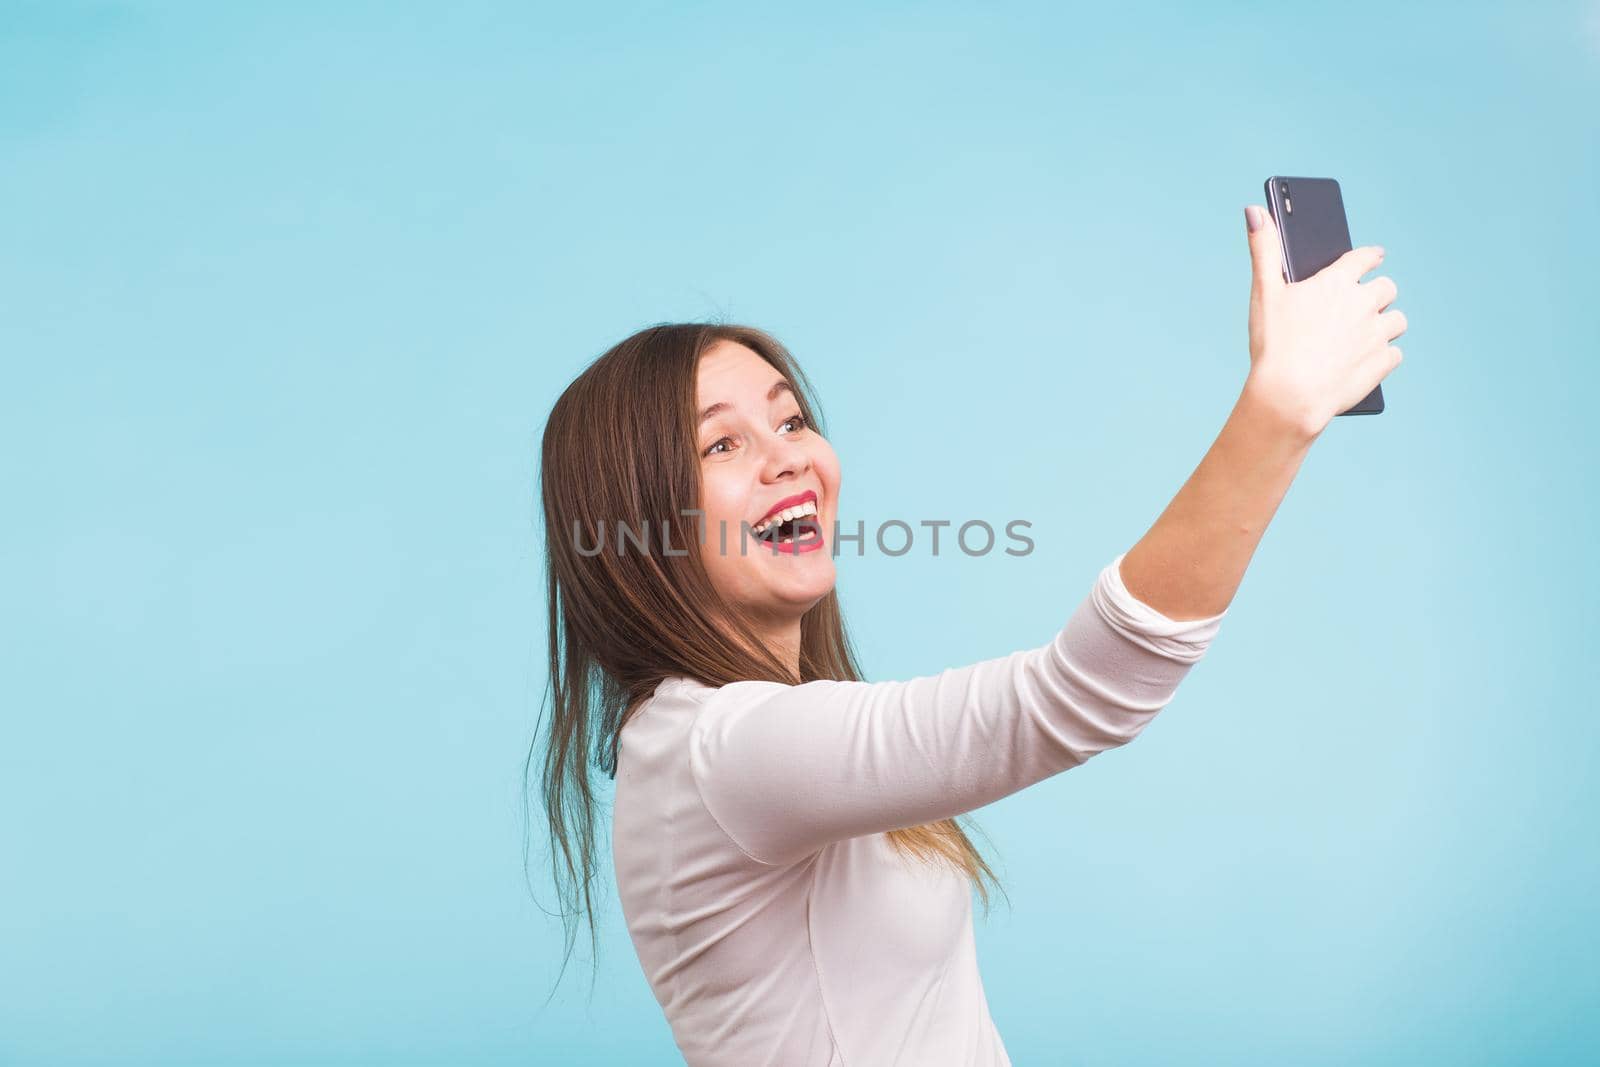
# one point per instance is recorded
(1320, 345)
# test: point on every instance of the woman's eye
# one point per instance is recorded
(798, 421)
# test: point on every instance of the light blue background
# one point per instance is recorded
(286, 292)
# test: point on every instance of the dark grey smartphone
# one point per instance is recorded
(1309, 213)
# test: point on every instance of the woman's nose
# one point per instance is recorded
(785, 458)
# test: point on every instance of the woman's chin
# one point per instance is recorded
(801, 580)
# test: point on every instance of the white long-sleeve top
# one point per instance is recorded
(774, 920)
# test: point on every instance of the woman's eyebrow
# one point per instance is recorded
(780, 386)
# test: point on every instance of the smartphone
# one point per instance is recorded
(1309, 213)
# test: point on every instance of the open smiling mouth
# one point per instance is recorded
(793, 531)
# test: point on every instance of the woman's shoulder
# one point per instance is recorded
(693, 704)
(673, 720)
(683, 696)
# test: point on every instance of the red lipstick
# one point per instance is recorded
(808, 528)
(787, 502)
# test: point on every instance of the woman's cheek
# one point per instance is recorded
(731, 576)
(720, 526)
(827, 464)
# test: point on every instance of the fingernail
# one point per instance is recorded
(1252, 218)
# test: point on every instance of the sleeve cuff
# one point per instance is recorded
(1183, 640)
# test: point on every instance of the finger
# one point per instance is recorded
(1356, 262)
(1266, 254)
(1382, 290)
(1391, 324)
(1380, 362)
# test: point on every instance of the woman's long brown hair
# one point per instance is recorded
(619, 446)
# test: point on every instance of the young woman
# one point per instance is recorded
(783, 834)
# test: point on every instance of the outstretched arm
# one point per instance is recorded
(785, 769)
(1316, 348)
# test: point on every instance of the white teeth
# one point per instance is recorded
(798, 511)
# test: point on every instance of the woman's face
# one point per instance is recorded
(756, 452)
